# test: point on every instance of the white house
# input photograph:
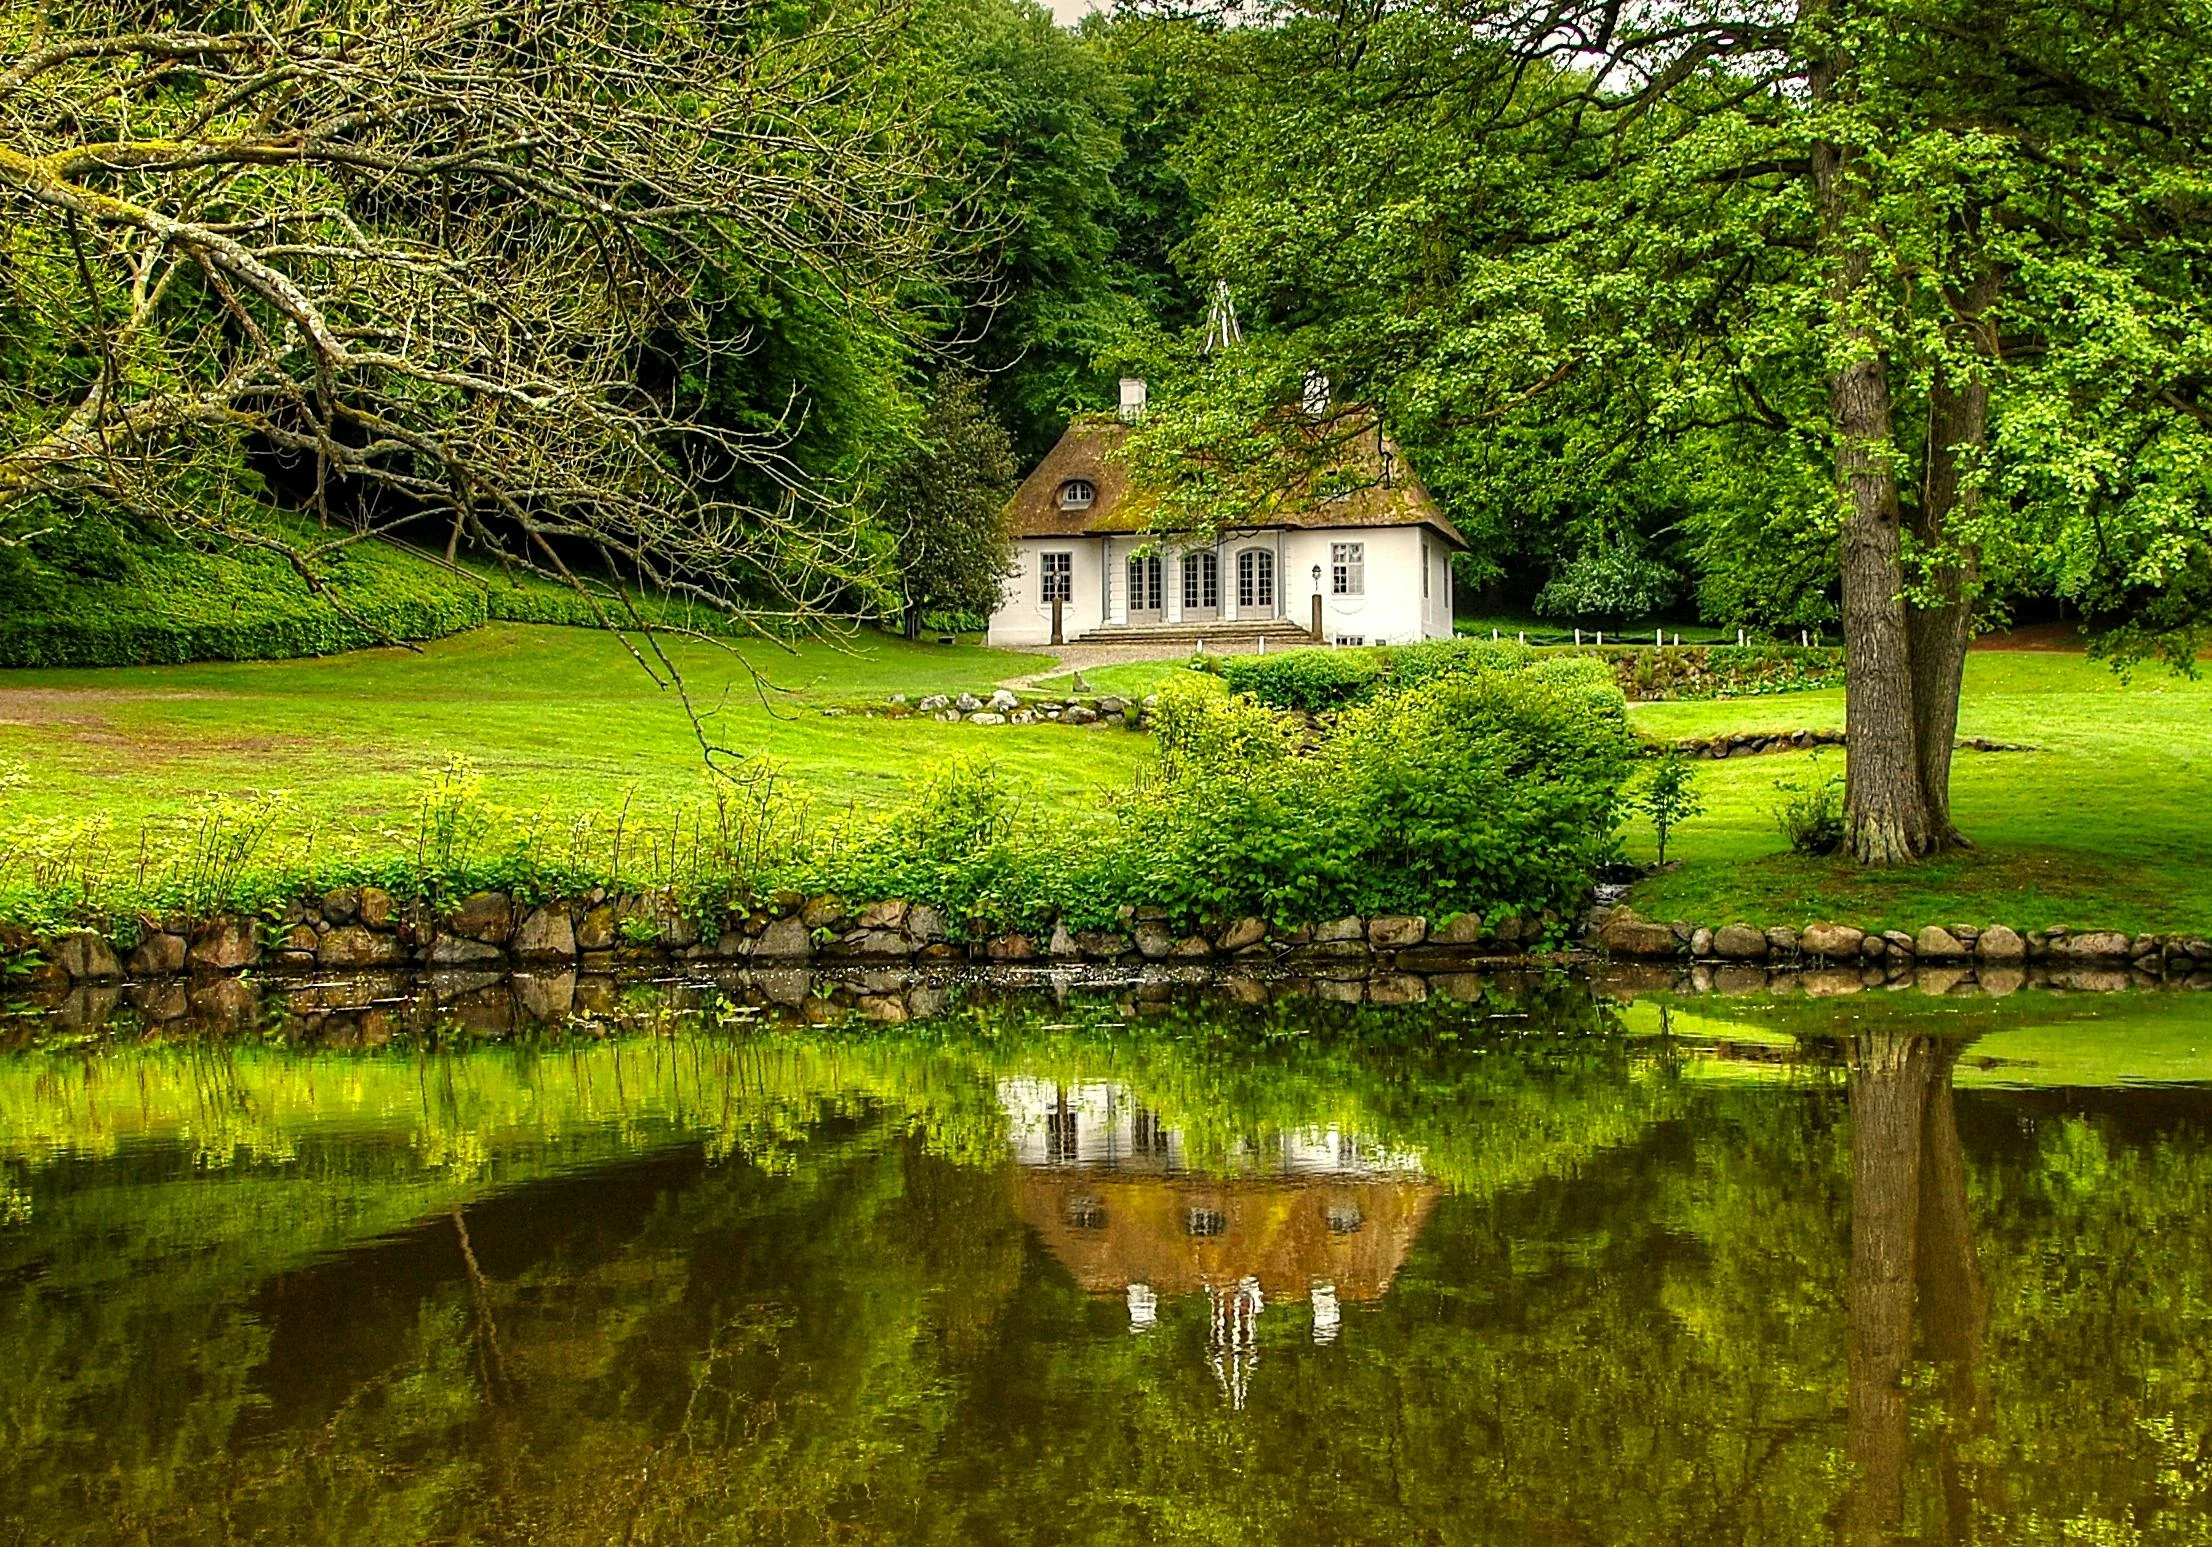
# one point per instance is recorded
(1377, 558)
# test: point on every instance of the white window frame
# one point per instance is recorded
(1255, 578)
(1070, 499)
(1147, 592)
(1424, 569)
(1350, 641)
(1056, 576)
(1348, 569)
(1201, 580)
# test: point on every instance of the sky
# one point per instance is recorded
(1068, 12)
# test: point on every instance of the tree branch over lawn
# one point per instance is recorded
(445, 257)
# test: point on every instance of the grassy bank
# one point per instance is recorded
(2104, 824)
(558, 715)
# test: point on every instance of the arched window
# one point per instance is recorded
(1144, 582)
(1078, 494)
(1256, 578)
(1201, 580)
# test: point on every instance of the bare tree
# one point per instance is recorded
(445, 257)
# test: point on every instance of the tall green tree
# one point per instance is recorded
(433, 259)
(946, 502)
(1914, 282)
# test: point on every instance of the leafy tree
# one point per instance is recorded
(1669, 796)
(947, 503)
(1920, 283)
(428, 260)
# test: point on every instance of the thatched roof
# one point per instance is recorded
(1275, 1230)
(1086, 451)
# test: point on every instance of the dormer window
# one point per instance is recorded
(1078, 494)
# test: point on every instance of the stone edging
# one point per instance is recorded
(1625, 933)
(1757, 743)
(351, 929)
(1005, 707)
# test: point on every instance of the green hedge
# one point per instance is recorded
(1317, 680)
(1312, 680)
(103, 595)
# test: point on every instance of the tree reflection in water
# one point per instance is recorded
(1492, 1273)
(1912, 1249)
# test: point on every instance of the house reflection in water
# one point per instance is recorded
(1309, 1216)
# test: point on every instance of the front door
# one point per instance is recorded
(1147, 600)
(1201, 587)
(1256, 583)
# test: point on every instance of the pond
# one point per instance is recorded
(1538, 1261)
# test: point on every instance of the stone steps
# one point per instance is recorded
(1234, 631)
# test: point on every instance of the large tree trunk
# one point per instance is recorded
(1940, 624)
(1885, 805)
(1886, 814)
(1943, 622)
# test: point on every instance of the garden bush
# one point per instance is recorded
(1312, 680)
(1492, 790)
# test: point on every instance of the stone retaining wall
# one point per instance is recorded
(353, 929)
(1625, 933)
(1758, 743)
(369, 1009)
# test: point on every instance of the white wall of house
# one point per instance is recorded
(1391, 607)
(1024, 617)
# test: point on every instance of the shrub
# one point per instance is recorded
(1490, 791)
(1615, 581)
(1312, 680)
(1316, 679)
(1723, 671)
(1197, 725)
(97, 593)
(1809, 809)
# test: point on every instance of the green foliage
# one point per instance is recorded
(1312, 680)
(1611, 581)
(1198, 726)
(103, 592)
(1487, 791)
(1723, 671)
(1808, 808)
(1668, 796)
(946, 503)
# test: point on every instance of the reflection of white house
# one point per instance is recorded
(1308, 1214)
(1097, 1126)
(1378, 556)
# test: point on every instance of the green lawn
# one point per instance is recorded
(546, 713)
(1131, 679)
(2109, 823)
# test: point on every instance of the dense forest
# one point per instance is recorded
(1885, 316)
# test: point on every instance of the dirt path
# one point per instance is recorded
(1067, 658)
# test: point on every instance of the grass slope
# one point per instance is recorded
(2108, 824)
(547, 714)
